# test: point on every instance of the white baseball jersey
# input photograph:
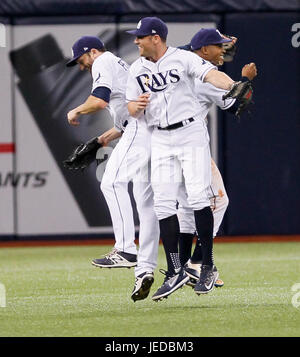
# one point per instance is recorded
(170, 82)
(111, 72)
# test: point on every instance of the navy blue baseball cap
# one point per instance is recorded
(206, 37)
(82, 46)
(150, 26)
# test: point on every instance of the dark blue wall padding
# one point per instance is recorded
(4, 20)
(262, 153)
(122, 7)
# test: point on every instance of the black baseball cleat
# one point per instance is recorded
(116, 259)
(142, 286)
(171, 283)
(207, 280)
(193, 271)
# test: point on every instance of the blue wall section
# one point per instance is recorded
(261, 154)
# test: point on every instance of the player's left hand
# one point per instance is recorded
(73, 118)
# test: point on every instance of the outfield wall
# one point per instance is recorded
(258, 156)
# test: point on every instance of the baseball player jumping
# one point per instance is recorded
(128, 162)
(160, 89)
(208, 44)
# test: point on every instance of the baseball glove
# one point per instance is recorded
(230, 49)
(242, 92)
(83, 155)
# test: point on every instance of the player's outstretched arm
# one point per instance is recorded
(137, 107)
(108, 136)
(91, 105)
(219, 79)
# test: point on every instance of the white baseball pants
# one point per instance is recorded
(218, 202)
(181, 152)
(129, 161)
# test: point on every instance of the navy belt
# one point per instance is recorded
(177, 125)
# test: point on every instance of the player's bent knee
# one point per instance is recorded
(223, 202)
(226, 201)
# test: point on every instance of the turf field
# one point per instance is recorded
(55, 291)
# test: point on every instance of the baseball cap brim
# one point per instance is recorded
(72, 61)
(223, 40)
(138, 33)
(186, 47)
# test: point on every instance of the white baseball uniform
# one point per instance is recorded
(128, 162)
(207, 95)
(185, 150)
(111, 72)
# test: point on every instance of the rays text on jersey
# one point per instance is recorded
(157, 82)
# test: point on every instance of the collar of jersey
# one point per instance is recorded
(103, 56)
(148, 64)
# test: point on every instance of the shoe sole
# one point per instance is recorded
(165, 295)
(208, 291)
(130, 265)
(144, 290)
(219, 283)
(191, 275)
